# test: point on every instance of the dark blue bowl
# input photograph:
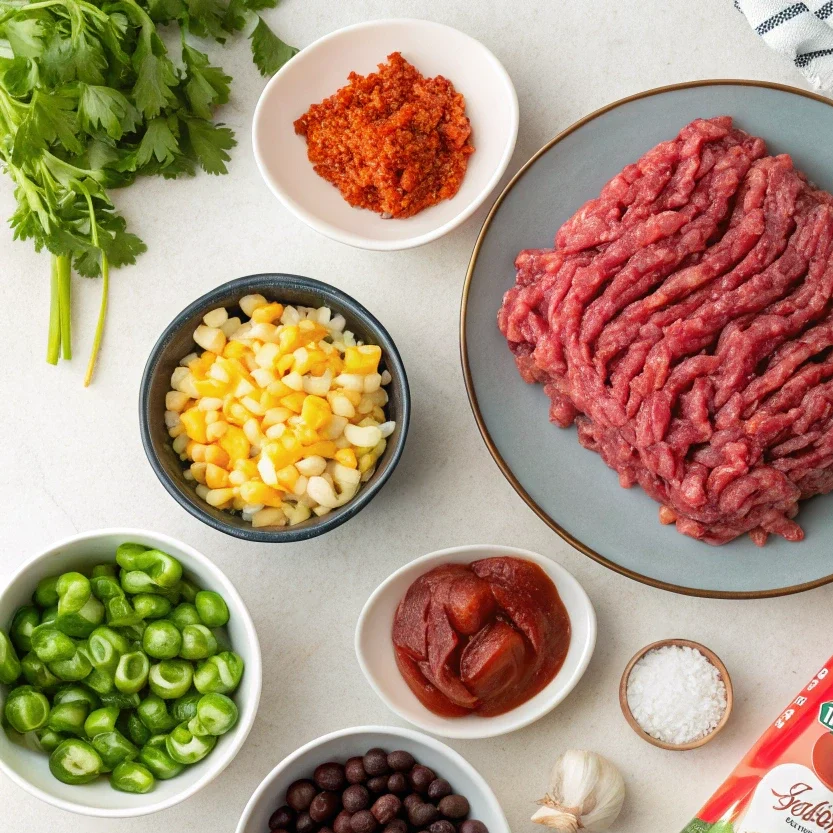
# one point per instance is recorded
(177, 342)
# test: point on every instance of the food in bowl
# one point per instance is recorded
(683, 323)
(378, 791)
(480, 638)
(125, 672)
(394, 142)
(282, 414)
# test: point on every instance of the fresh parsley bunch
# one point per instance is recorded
(90, 98)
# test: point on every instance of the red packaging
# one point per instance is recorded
(785, 782)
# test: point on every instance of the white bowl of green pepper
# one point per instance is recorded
(130, 673)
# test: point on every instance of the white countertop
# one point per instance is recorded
(73, 460)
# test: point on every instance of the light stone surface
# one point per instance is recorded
(73, 461)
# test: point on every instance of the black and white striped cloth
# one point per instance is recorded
(803, 32)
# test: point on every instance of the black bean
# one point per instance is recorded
(378, 784)
(363, 822)
(473, 826)
(324, 806)
(454, 806)
(400, 760)
(386, 808)
(330, 776)
(423, 815)
(439, 788)
(396, 826)
(355, 798)
(375, 762)
(410, 800)
(398, 783)
(354, 771)
(342, 822)
(442, 826)
(282, 819)
(300, 795)
(420, 778)
(305, 824)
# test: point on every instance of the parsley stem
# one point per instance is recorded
(64, 304)
(102, 314)
(53, 347)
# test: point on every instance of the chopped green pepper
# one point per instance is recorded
(162, 640)
(153, 712)
(114, 747)
(132, 777)
(151, 605)
(75, 761)
(10, 669)
(100, 721)
(198, 642)
(187, 748)
(26, 709)
(171, 678)
(221, 673)
(154, 755)
(132, 672)
(26, 619)
(212, 608)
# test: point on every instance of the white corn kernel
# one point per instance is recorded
(299, 514)
(290, 316)
(171, 419)
(264, 332)
(188, 476)
(334, 428)
(318, 385)
(251, 428)
(300, 485)
(266, 469)
(363, 437)
(321, 510)
(202, 491)
(276, 415)
(210, 403)
(178, 375)
(275, 432)
(350, 381)
(342, 406)
(216, 430)
(242, 332)
(263, 377)
(191, 357)
(210, 338)
(180, 443)
(386, 377)
(311, 466)
(338, 323)
(243, 388)
(267, 355)
(386, 429)
(372, 382)
(249, 303)
(175, 400)
(236, 478)
(252, 405)
(322, 315)
(269, 517)
(217, 497)
(294, 381)
(231, 326)
(344, 476)
(216, 318)
(322, 492)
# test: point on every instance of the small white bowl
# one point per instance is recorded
(374, 647)
(344, 744)
(318, 71)
(29, 768)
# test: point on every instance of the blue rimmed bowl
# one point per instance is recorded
(176, 342)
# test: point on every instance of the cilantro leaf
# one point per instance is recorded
(20, 76)
(235, 16)
(205, 17)
(210, 143)
(50, 119)
(163, 11)
(74, 55)
(207, 86)
(25, 36)
(270, 53)
(107, 108)
(260, 5)
(156, 77)
(120, 246)
(159, 143)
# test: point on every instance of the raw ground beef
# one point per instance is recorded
(684, 323)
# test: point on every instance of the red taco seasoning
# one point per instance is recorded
(785, 783)
(393, 141)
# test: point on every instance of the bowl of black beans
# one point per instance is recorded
(373, 779)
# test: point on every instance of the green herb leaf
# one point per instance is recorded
(49, 119)
(108, 109)
(71, 56)
(260, 5)
(210, 143)
(155, 77)
(159, 143)
(205, 18)
(270, 53)
(20, 76)
(207, 86)
(25, 36)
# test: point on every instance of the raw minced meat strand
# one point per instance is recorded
(683, 322)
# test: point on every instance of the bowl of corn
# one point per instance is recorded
(274, 408)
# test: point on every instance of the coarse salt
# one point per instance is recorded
(676, 695)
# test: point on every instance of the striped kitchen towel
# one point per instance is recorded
(801, 31)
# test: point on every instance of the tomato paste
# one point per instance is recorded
(785, 783)
(482, 637)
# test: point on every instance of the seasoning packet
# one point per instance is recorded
(785, 782)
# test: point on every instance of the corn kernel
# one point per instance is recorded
(295, 402)
(198, 470)
(234, 442)
(217, 497)
(216, 430)
(288, 477)
(217, 456)
(316, 412)
(249, 303)
(215, 477)
(267, 313)
(257, 493)
(347, 457)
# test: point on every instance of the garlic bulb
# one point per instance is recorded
(586, 793)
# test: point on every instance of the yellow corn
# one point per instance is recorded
(254, 493)
(363, 359)
(316, 412)
(347, 457)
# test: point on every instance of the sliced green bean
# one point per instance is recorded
(120, 613)
(185, 614)
(216, 715)
(73, 693)
(71, 670)
(188, 590)
(132, 672)
(163, 569)
(25, 620)
(171, 678)
(162, 640)
(106, 647)
(37, 674)
(69, 718)
(26, 709)
(185, 707)
(153, 712)
(136, 730)
(121, 700)
(46, 593)
(104, 570)
(51, 645)
(114, 747)
(154, 755)
(48, 740)
(212, 608)
(100, 721)
(187, 748)
(75, 762)
(101, 682)
(151, 605)
(221, 673)
(198, 642)
(49, 615)
(10, 669)
(83, 622)
(132, 777)
(106, 587)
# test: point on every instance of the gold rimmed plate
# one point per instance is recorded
(567, 486)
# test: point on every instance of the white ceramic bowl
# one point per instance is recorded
(339, 746)
(29, 768)
(374, 647)
(318, 71)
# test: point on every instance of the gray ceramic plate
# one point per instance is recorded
(571, 488)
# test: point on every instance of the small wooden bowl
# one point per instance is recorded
(712, 658)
